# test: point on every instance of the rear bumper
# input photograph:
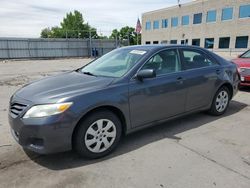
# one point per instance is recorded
(43, 135)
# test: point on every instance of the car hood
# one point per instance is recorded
(62, 86)
(242, 62)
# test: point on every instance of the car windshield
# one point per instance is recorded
(246, 54)
(114, 64)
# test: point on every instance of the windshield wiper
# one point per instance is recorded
(88, 73)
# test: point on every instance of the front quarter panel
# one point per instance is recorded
(116, 95)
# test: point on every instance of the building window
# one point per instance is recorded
(245, 11)
(196, 42)
(209, 43)
(224, 42)
(184, 41)
(148, 42)
(174, 21)
(148, 25)
(227, 14)
(164, 23)
(211, 16)
(155, 42)
(173, 41)
(156, 24)
(197, 18)
(185, 20)
(241, 42)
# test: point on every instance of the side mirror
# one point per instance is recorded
(146, 73)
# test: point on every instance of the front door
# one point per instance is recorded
(161, 97)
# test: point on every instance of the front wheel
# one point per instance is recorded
(220, 102)
(97, 135)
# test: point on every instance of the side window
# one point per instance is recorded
(164, 62)
(194, 59)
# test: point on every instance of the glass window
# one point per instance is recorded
(245, 11)
(241, 42)
(196, 42)
(227, 14)
(224, 42)
(246, 54)
(155, 42)
(156, 24)
(148, 42)
(174, 21)
(211, 16)
(148, 25)
(209, 43)
(197, 18)
(184, 41)
(173, 41)
(185, 20)
(115, 63)
(164, 62)
(164, 23)
(194, 59)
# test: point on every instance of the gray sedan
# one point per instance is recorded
(128, 89)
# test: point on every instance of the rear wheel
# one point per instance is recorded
(98, 134)
(220, 102)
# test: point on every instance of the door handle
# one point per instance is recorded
(180, 80)
(218, 71)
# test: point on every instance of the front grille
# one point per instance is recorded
(16, 108)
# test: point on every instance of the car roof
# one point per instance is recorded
(151, 47)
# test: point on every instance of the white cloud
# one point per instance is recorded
(26, 18)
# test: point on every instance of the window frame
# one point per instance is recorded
(148, 23)
(197, 14)
(205, 43)
(174, 18)
(241, 6)
(156, 23)
(228, 44)
(182, 19)
(196, 39)
(207, 56)
(211, 11)
(165, 21)
(227, 8)
(154, 54)
(237, 37)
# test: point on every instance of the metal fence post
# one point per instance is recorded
(90, 44)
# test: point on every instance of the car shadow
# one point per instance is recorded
(170, 129)
(245, 89)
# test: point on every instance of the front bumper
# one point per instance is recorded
(43, 135)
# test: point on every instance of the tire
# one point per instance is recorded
(97, 135)
(220, 102)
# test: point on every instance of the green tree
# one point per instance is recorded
(72, 26)
(45, 33)
(126, 34)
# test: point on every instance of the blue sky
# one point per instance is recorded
(26, 18)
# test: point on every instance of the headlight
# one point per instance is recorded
(242, 69)
(47, 110)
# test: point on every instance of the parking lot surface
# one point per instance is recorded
(195, 151)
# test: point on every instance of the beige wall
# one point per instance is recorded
(229, 28)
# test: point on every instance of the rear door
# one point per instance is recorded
(201, 74)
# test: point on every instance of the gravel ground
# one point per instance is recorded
(194, 151)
